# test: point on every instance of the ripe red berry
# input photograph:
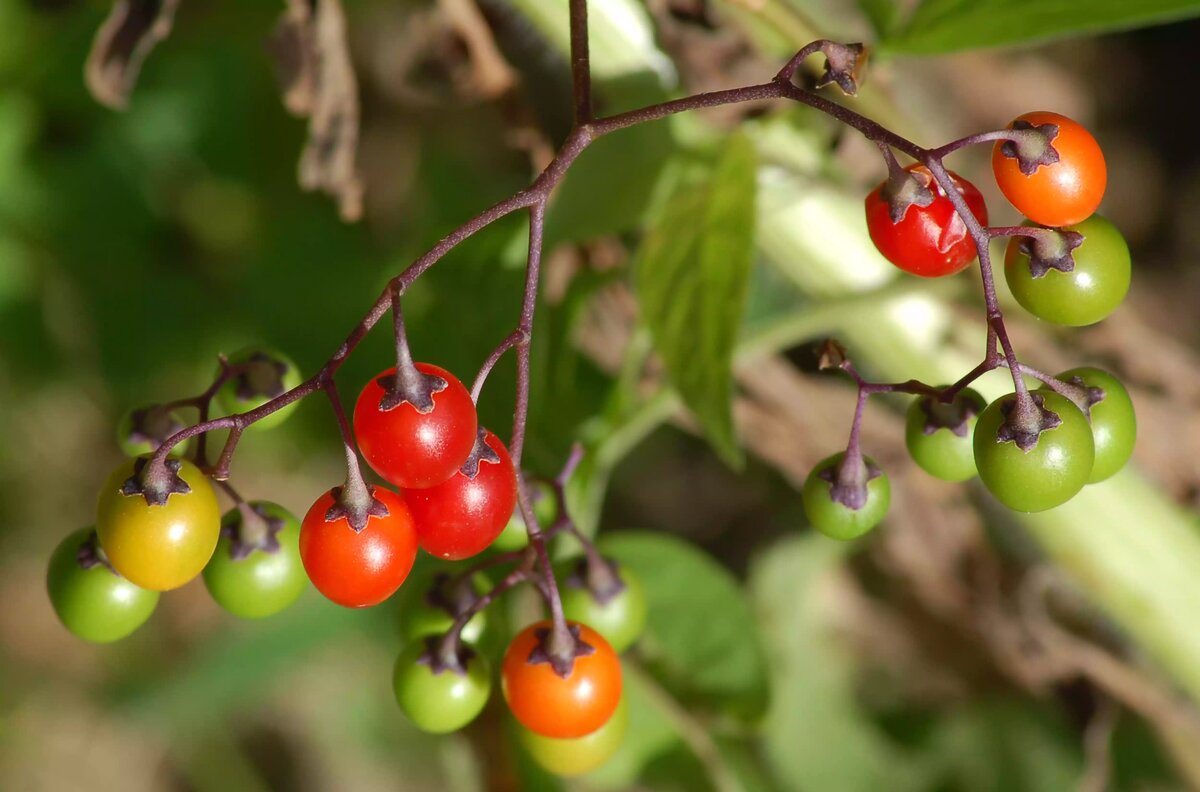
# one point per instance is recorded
(409, 448)
(462, 516)
(358, 568)
(930, 241)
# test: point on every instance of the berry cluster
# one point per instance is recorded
(456, 491)
(158, 526)
(1068, 265)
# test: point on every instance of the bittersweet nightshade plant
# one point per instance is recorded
(459, 484)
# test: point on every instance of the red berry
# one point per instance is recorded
(930, 241)
(462, 516)
(409, 448)
(358, 568)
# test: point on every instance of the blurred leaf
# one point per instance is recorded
(816, 735)
(881, 13)
(1000, 745)
(949, 25)
(611, 185)
(700, 639)
(693, 272)
(230, 670)
(650, 733)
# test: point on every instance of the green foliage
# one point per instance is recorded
(952, 25)
(699, 636)
(816, 735)
(692, 272)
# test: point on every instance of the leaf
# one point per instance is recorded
(650, 734)
(317, 76)
(882, 15)
(692, 277)
(132, 29)
(237, 668)
(949, 25)
(816, 734)
(610, 188)
(700, 638)
(1002, 744)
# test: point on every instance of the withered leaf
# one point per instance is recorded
(318, 82)
(121, 44)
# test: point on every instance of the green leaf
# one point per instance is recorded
(692, 276)
(650, 734)
(700, 638)
(1002, 744)
(816, 734)
(949, 25)
(882, 15)
(611, 186)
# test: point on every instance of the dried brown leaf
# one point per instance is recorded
(122, 43)
(318, 82)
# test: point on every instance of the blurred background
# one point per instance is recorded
(959, 647)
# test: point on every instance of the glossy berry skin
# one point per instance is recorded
(1050, 473)
(943, 454)
(440, 702)
(552, 706)
(1114, 423)
(929, 241)
(1060, 194)
(579, 755)
(264, 582)
(413, 450)
(357, 569)
(462, 516)
(158, 547)
(834, 519)
(1089, 292)
(620, 620)
(267, 373)
(95, 604)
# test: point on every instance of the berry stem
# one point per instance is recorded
(537, 224)
(355, 497)
(510, 341)
(559, 644)
(252, 529)
(581, 67)
(451, 644)
(1015, 135)
(408, 379)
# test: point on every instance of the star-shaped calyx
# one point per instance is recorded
(844, 66)
(1024, 430)
(155, 488)
(1033, 150)
(262, 375)
(954, 415)
(413, 387)
(453, 599)
(599, 575)
(356, 517)
(152, 425)
(1086, 396)
(240, 543)
(848, 482)
(481, 452)
(562, 665)
(905, 188)
(1050, 249)
(90, 555)
(440, 660)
